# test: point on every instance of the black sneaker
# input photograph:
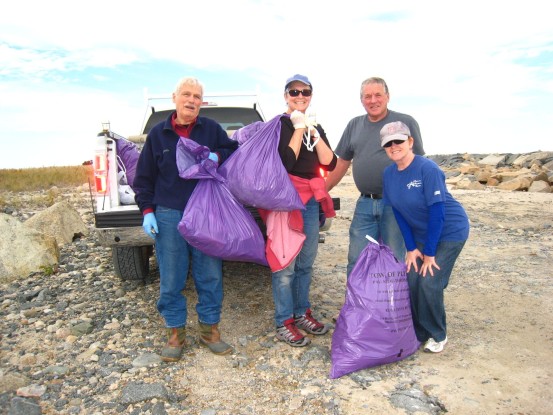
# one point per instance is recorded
(309, 324)
(290, 334)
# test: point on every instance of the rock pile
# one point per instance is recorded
(34, 244)
(532, 172)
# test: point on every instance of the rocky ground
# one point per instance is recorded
(80, 341)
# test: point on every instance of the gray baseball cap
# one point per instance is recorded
(394, 131)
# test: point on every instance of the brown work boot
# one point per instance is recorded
(210, 337)
(176, 341)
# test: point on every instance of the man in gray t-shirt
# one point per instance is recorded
(360, 147)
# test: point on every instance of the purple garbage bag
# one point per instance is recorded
(190, 156)
(255, 174)
(128, 153)
(375, 325)
(214, 221)
(245, 133)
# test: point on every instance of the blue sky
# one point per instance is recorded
(477, 75)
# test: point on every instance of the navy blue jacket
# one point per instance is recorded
(157, 180)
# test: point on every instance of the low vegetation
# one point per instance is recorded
(43, 178)
(44, 181)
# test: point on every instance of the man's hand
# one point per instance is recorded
(149, 224)
(214, 157)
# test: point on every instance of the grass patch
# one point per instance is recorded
(43, 178)
(42, 182)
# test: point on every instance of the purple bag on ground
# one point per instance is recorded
(214, 221)
(375, 325)
(128, 153)
(255, 174)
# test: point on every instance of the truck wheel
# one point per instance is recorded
(131, 262)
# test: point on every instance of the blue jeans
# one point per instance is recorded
(291, 285)
(427, 293)
(372, 218)
(173, 256)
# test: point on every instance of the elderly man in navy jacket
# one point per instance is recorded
(162, 196)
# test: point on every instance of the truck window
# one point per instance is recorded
(229, 118)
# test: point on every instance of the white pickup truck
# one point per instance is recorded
(119, 225)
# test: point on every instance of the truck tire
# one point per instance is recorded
(131, 262)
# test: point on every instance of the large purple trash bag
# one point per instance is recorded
(128, 153)
(245, 133)
(190, 156)
(255, 174)
(375, 325)
(214, 221)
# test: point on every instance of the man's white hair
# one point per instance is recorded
(188, 80)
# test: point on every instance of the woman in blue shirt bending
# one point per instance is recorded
(434, 226)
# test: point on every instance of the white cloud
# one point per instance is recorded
(476, 75)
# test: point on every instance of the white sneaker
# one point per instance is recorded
(432, 346)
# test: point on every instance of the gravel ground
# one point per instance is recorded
(81, 341)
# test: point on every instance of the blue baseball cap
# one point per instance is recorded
(298, 77)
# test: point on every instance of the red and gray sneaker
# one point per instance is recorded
(290, 334)
(309, 324)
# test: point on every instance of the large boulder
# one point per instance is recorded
(494, 160)
(540, 186)
(526, 160)
(24, 250)
(61, 221)
(522, 182)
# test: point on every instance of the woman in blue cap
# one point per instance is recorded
(304, 149)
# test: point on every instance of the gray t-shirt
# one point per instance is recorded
(360, 143)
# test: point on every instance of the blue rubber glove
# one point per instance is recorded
(149, 225)
(214, 157)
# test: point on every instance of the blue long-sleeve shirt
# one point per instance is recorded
(157, 180)
(411, 192)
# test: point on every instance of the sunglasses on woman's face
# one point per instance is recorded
(297, 92)
(396, 142)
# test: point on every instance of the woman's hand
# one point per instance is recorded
(298, 119)
(427, 264)
(314, 133)
(411, 259)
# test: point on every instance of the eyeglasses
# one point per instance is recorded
(396, 142)
(297, 92)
